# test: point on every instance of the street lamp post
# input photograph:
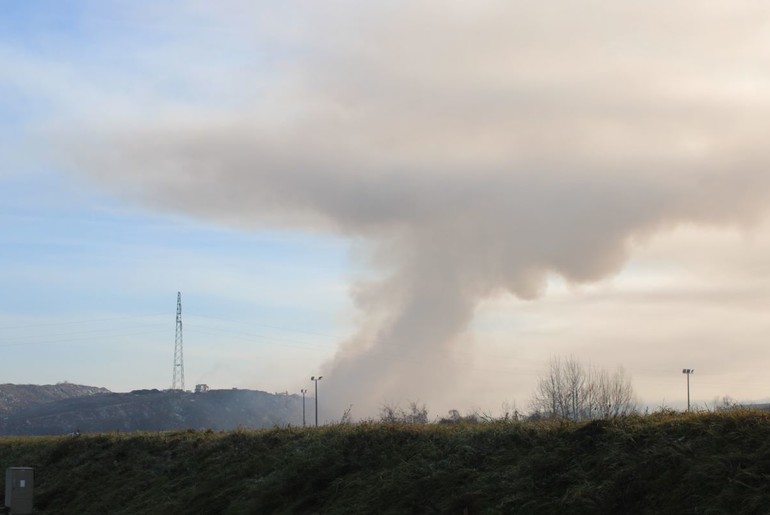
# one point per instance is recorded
(315, 380)
(304, 391)
(688, 372)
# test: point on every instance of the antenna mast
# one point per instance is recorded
(178, 381)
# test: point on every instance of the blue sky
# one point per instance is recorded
(382, 175)
(90, 280)
(89, 277)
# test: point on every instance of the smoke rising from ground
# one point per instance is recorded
(475, 150)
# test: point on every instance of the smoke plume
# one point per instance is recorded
(474, 150)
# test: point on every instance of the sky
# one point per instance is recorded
(421, 201)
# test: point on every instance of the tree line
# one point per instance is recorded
(569, 389)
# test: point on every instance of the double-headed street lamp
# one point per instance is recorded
(315, 380)
(304, 391)
(688, 371)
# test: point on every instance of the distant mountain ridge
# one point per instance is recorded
(14, 397)
(67, 408)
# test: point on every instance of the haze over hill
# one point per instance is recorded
(15, 397)
(63, 409)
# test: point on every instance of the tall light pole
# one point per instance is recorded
(688, 371)
(315, 380)
(304, 391)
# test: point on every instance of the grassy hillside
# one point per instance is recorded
(663, 463)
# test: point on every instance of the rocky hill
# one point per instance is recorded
(147, 410)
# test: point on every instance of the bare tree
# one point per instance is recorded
(471, 418)
(612, 394)
(510, 411)
(550, 396)
(414, 414)
(726, 403)
(571, 390)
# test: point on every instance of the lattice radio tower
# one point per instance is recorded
(178, 381)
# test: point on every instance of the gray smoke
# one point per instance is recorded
(474, 151)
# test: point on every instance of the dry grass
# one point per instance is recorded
(661, 463)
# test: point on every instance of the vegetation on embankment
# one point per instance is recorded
(661, 463)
